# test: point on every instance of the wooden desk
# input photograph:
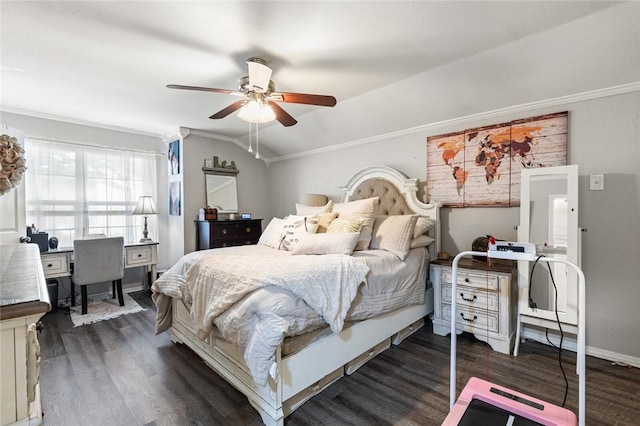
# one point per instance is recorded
(57, 263)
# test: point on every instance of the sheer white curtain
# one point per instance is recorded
(73, 190)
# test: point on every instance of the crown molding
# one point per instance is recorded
(70, 120)
(462, 121)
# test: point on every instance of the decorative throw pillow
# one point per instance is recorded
(366, 209)
(423, 224)
(342, 225)
(394, 234)
(272, 233)
(328, 243)
(302, 209)
(294, 226)
(324, 220)
(421, 241)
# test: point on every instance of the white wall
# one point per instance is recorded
(252, 181)
(604, 137)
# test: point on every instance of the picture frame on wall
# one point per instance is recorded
(173, 156)
(175, 199)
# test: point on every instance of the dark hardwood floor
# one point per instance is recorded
(118, 372)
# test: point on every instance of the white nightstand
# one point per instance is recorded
(486, 298)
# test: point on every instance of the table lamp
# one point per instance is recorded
(145, 207)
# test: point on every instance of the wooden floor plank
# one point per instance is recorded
(118, 372)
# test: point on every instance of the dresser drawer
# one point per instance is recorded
(249, 229)
(223, 230)
(138, 256)
(472, 320)
(471, 279)
(55, 264)
(472, 297)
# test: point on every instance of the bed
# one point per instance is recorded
(276, 373)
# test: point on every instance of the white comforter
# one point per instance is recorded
(213, 281)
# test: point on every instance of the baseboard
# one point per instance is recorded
(569, 343)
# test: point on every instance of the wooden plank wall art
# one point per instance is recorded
(481, 167)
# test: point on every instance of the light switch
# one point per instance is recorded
(596, 182)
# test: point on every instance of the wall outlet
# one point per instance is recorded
(596, 182)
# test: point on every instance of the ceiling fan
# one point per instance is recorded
(259, 103)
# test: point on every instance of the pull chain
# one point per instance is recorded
(257, 141)
(250, 148)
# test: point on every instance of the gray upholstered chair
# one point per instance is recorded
(97, 261)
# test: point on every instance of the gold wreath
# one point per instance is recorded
(11, 163)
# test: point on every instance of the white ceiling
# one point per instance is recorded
(109, 62)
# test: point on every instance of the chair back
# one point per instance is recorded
(98, 260)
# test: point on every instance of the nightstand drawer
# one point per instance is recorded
(474, 298)
(138, 255)
(470, 279)
(473, 319)
(55, 264)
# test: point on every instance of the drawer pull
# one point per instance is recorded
(475, 317)
(466, 280)
(139, 254)
(247, 229)
(50, 265)
(224, 231)
(472, 299)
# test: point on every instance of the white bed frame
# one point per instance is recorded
(309, 371)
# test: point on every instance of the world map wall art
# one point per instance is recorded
(481, 167)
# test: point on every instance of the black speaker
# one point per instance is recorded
(41, 239)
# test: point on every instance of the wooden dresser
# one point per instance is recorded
(226, 233)
(486, 300)
(24, 299)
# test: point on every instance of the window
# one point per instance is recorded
(73, 190)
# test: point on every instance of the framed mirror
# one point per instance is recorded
(221, 192)
(549, 219)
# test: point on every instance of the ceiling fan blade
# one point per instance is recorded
(281, 115)
(228, 110)
(204, 89)
(303, 98)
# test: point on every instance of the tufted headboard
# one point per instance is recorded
(398, 196)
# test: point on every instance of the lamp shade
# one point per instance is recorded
(256, 112)
(145, 206)
(315, 200)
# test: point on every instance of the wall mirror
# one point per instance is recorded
(221, 191)
(549, 219)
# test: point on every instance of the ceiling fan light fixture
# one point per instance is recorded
(256, 112)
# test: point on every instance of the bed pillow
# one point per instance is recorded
(327, 243)
(303, 209)
(421, 241)
(342, 226)
(324, 220)
(367, 206)
(423, 225)
(365, 209)
(272, 233)
(394, 234)
(294, 226)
